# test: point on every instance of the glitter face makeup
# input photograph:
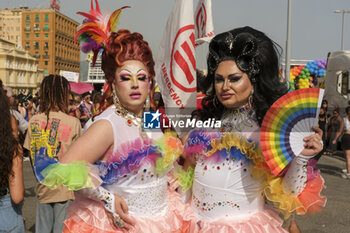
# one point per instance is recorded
(132, 85)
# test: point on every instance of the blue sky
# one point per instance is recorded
(316, 30)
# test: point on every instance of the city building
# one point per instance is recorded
(95, 73)
(47, 34)
(10, 25)
(18, 69)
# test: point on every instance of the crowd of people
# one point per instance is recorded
(23, 107)
(336, 136)
(26, 117)
(114, 176)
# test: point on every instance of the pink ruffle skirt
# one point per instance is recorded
(266, 221)
(87, 216)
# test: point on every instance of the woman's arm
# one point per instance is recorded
(92, 145)
(29, 109)
(296, 177)
(300, 188)
(16, 181)
(14, 127)
(77, 113)
(340, 130)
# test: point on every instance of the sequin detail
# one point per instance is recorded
(208, 206)
(106, 198)
(150, 200)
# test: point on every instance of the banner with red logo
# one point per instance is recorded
(203, 20)
(176, 63)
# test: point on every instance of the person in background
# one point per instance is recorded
(71, 109)
(86, 109)
(346, 143)
(96, 101)
(53, 131)
(200, 89)
(77, 102)
(106, 103)
(323, 119)
(11, 178)
(74, 102)
(36, 105)
(26, 106)
(22, 123)
(335, 129)
(322, 124)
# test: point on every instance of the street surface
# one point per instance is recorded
(335, 217)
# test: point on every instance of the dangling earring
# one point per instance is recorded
(131, 119)
(148, 100)
(116, 100)
(147, 104)
(250, 98)
(118, 107)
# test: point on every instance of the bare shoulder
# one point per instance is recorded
(102, 125)
(92, 144)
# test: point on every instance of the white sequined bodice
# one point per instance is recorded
(225, 189)
(143, 190)
(145, 193)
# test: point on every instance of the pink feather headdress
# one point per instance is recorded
(96, 28)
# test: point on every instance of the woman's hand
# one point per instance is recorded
(313, 143)
(29, 106)
(121, 208)
(334, 142)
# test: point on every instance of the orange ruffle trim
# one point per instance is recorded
(309, 200)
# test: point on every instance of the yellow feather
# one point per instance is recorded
(114, 19)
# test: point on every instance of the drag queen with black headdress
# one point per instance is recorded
(126, 188)
(231, 181)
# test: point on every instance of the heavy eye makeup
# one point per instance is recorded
(234, 78)
(218, 79)
(231, 78)
(125, 77)
(142, 77)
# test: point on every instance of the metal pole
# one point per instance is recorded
(342, 30)
(343, 12)
(288, 47)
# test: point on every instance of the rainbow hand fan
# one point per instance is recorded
(286, 123)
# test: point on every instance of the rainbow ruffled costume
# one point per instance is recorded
(137, 169)
(231, 183)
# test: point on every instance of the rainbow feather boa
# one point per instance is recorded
(130, 156)
(219, 145)
(53, 174)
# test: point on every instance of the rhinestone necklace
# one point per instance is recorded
(237, 119)
(131, 119)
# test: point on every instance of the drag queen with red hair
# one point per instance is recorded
(126, 188)
(230, 179)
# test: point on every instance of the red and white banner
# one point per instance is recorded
(176, 63)
(203, 20)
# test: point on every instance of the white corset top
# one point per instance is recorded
(145, 193)
(225, 189)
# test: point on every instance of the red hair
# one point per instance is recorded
(123, 46)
